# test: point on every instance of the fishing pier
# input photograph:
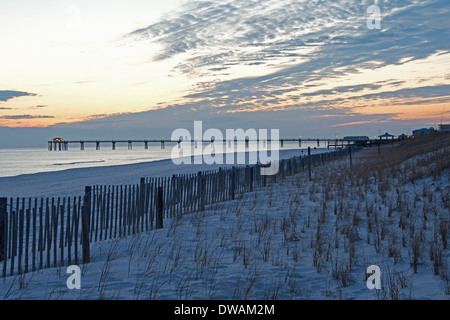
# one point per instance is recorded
(59, 144)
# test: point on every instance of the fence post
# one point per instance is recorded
(85, 234)
(87, 203)
(159, 208)
(175, 194)
(309, 162)
(350, 154)
(3, 228)
(264, 180)
(201, 192)
(233, 182)
(141, 201)
(251, 177)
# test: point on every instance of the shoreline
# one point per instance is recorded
(71, 182)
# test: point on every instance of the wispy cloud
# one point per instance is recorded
(39, 106)
(373, 121)
(309, 41)
(220, 34)
(26, 116)
(6, 95)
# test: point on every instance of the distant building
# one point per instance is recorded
(386, 136)
(358, 140)
(421, 132)
(444, 127)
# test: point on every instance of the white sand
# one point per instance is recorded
(71, 182)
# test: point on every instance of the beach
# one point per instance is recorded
(293, 239)
(71, 182)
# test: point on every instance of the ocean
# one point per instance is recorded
(15, 162)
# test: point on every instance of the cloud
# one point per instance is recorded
(6, 95)
(26, 116)
(85, 81)
(39, 106)
(237, 31)
(343, 89)
(293, 52)
(373, 121)
(309, 41)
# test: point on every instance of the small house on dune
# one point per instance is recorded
(421, 132)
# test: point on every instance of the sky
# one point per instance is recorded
(141, 69)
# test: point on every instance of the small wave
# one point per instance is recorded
(79, 162)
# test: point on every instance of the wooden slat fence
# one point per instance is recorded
(48, 232)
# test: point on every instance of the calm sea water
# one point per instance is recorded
(15, 162)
